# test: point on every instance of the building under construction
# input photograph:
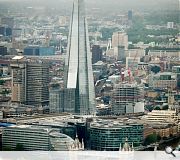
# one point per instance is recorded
(127, 98)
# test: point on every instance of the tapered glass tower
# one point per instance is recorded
(79, 87)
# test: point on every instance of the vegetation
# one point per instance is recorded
(152, 138)
(138, 32)
(5, 92)
(157, 108)
(2, 82)
(7, 148)
(165, 107)
(107, 32)
(156, 69)
(19, 147)
(162, 17)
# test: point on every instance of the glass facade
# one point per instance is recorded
(108, 137)
(79, 93)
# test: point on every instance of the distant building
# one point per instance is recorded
(162, 116)
(163, 80)
(164, 53)
(127, 98)
(56, 99)
(39, 51)
(5, 31)
(130, 15)
(31, 51)
(106, 135)
(121, 53)
(3, 50)
(8, 21)
(170, 25)
(100, 66)
(140, 52)
(120, 39)
(96, 53)
(46, 51)
(132, 62)
(30, 81)
(176, 70)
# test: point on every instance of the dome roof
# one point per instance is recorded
(60, 142)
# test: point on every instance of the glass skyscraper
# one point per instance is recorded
(79, 87)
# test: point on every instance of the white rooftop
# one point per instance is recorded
(18, 57)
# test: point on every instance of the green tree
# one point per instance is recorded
(152, 138)
(7, 148)
(165, 107)
(2, 82)
(19, 147)
(155, 69)
(157, 108)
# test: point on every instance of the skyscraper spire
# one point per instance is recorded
(79, 87)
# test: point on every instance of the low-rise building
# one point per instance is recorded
(37, 138)
(108, 135)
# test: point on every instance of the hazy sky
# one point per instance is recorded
(121, 4)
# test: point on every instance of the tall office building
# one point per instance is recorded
(56, 99)
(130, 15)
(96, 53)
(79, 87)
(30, 82)
(8, 21)
(119, 39)
(3, 50)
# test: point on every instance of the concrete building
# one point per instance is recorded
(96, 53)
(132, 62)
(163, 80)
(140, 52)
(161, 116)
(3, 50)
(127, 98)
(120, 39)
(170, 25)
(164, 53)
(30, 80)
(5, 31)
(108, 135)
(56, 99)
(36, 50)
(130, 15)
(8, 21)
(121, 53)
(176, 70)
(34, 138)
(79, 91)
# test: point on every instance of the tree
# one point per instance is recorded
(165, 107)
(2, 82)
(7, 148)
(19, 147)
(157, 108)
(156, 69)
(152, 138)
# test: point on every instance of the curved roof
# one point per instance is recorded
(60, 142)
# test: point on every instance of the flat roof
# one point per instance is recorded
(18, 57)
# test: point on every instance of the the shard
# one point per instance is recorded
(79, 86)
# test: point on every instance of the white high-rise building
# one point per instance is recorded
(120, 39)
